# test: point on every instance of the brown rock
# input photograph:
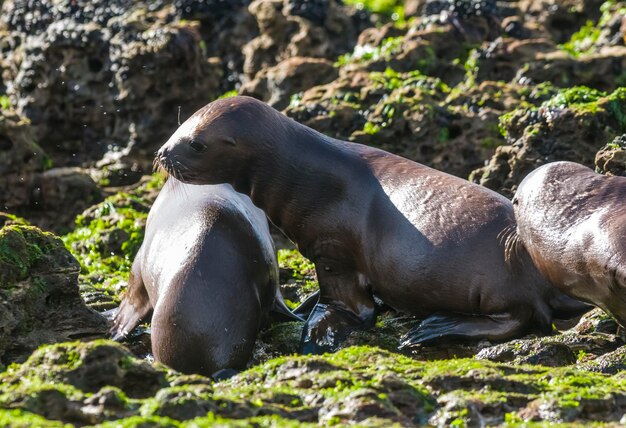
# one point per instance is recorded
(275, 85)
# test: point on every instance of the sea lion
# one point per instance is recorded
(373, 223)
(572, 221)
(207, 269)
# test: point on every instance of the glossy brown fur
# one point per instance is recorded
(207, 269)
(425, 242)
(573, 223)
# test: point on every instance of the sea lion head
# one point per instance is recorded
(216, 143)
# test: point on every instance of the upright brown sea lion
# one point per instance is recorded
(572, 221)
(207, 268)
(425, 242)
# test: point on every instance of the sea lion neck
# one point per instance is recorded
(290, 163)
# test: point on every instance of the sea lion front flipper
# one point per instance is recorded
(306, 307)
(135, 307)
(461, 326)
(281, 313)
(345, 304)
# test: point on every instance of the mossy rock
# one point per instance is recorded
(38, 285)
(357, 385)
(7, 219)
(572, 125)
(27, 251)
(89, 366)
(611, 159)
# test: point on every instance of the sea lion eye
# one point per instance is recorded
(197, 146)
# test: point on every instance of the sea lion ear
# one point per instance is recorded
(230, 140)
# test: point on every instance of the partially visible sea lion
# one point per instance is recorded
(207, 268)
(572, 221)
(425, 242)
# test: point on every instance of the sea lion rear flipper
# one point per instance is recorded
(281, 313)
(460, 326)
(135, 307)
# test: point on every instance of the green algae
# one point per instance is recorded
(374, 386)
(583, 101)
(578, 95)
(106, 263)
(300, 269)
(108, 235)
(228, 94)
(366, 53)
(391, 80)
(22, 249)
(582, 42)
(393, 9)
(21, 419)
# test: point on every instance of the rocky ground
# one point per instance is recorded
(483, 89)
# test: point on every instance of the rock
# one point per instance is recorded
(183, 402)
(90, 366)
(362, 385)
(474, 20)
(603, 70)
(21, 160)
(320, 29)
(40, 297)
(534, 352)
(149, 92)
(596, 321)
(611, 363)
(559, 19)
(59, 195)
(98, 78)
(553, 351)
(611, 159)
(116, 174)
(275, 85)
(566, 127)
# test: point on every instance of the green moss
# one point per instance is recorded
(471, 67)
(444, 135)
(583, 41)
(584, 101)
(5, 102)
(578, 95)
(386, 50)
(391, 80)
(295, 100)
(228, 94)
(504, 123)
(371, 128)
(142, 422)
(21, 419)
(393, 9)
(106, 241)
(271, 421)
(21, 249)
(282, 390)
(617, 107)
(301, 269)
